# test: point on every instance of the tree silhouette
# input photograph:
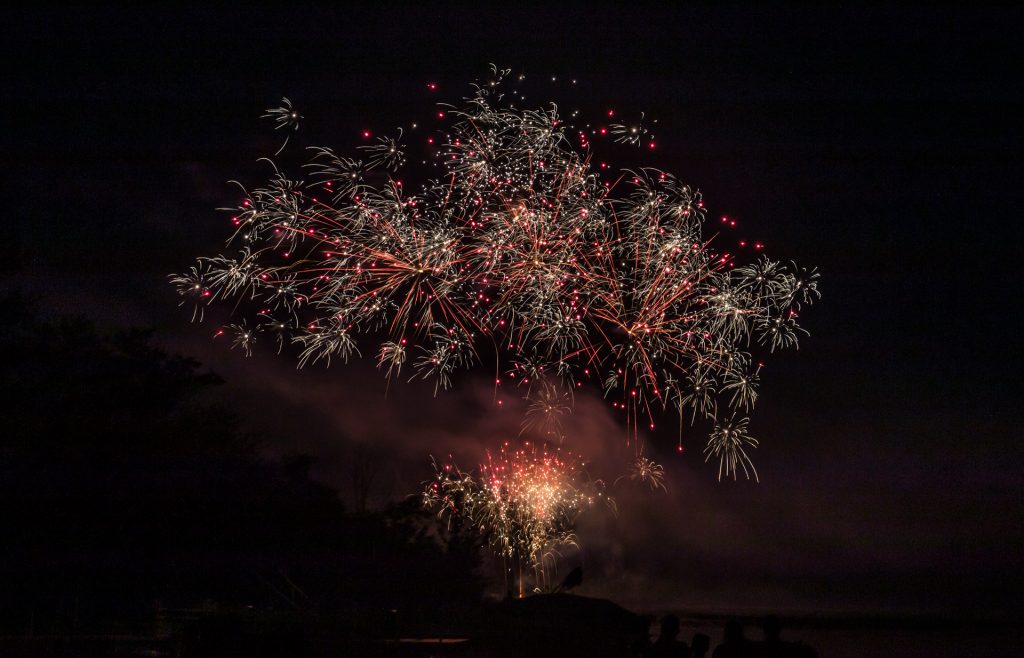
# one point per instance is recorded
(121, 485)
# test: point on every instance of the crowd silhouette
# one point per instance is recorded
(734, 643)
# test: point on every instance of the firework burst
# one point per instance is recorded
(523, 501)
(516, 250)
(646, 471)
(284, 116)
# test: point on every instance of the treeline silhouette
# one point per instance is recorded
(122, 489)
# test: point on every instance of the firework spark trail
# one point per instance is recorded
(573, 275)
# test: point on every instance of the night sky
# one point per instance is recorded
(881, 145)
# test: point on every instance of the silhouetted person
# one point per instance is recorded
(699, 645)
(573, 579)
(774, 647)
(642, 645)
(668, 645)
(734, 645)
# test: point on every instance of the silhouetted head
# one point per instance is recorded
(669, 627)
(772, 628)
(733, 631)
(700, 644)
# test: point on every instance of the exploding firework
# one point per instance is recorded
(729, 443)
(545, 411)
(285, 116)
(646, 471)
(515, 252)
(523, 501)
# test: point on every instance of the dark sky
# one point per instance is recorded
(881, 144)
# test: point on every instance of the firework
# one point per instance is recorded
(646, 471)
(284, 116)
(523, 501)
(729, 443)
(545, 411)
(516, 252)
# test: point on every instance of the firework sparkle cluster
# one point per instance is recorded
(523, 501)
(519, 253)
